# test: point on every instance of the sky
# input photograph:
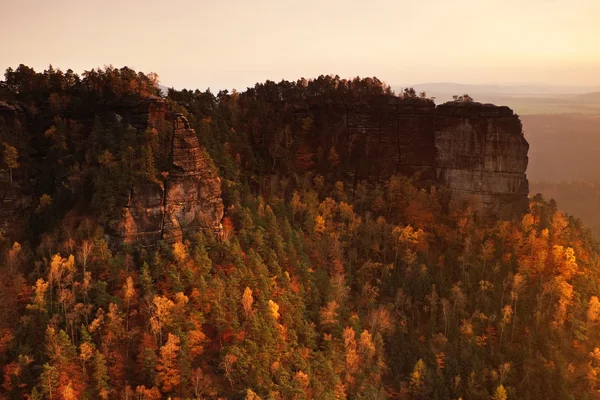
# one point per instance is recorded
(236, 43)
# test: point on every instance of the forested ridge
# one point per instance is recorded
(319, 286)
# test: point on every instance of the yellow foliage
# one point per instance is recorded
(250, 395)
(86, 351)
(527, 222)
(466, 328)
(565, 296)
(179, 252)
(162, 313)
(180, 301)
(500, 393)
(45, 202)
(68, 393)
(417, 377)
(319, 224)
(39, 298)
(507, 313)
(167, 370)
(408, 235)
(593, 311)
(247, 300)
(274, 309)
(128, 289)
(565, 261)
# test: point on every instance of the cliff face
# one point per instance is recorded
(470, 148)
(467, 147)
(189, 199)
(481, 150)
(391, 135)
(185, 200)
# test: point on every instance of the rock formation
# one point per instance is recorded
(468, 147)
(187, 201)
(480, 150)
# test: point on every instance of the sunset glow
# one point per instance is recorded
(237, 43)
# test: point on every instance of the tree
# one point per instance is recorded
(274, 309)
(49, 381)
(162, 317)
(247, 300)
(417, 380)
(44, 204)
(465, 98)
(100, 376)
(500, 393)
(593, 311)
(168, 376)
(10, 156)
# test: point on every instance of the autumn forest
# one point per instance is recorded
(301, 273)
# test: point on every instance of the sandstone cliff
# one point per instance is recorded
(480, 150)
(187, 201)
(467, 147)
(180, 202)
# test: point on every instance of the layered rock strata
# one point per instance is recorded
(480, 150)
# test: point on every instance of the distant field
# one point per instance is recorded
(524, 99)
(568, 104)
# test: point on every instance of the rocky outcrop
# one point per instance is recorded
(467, 147)
(184, 200)
(193, 188)
(480, 150)
(187, 201)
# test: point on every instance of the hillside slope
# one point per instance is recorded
(317, 285)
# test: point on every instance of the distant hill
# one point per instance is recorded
(593, 97)
(497, 89)
(524, 99)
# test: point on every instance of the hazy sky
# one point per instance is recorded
(235, 43)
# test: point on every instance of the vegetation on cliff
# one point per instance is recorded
(319, 287)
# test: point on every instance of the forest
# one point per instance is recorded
(318, 287)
